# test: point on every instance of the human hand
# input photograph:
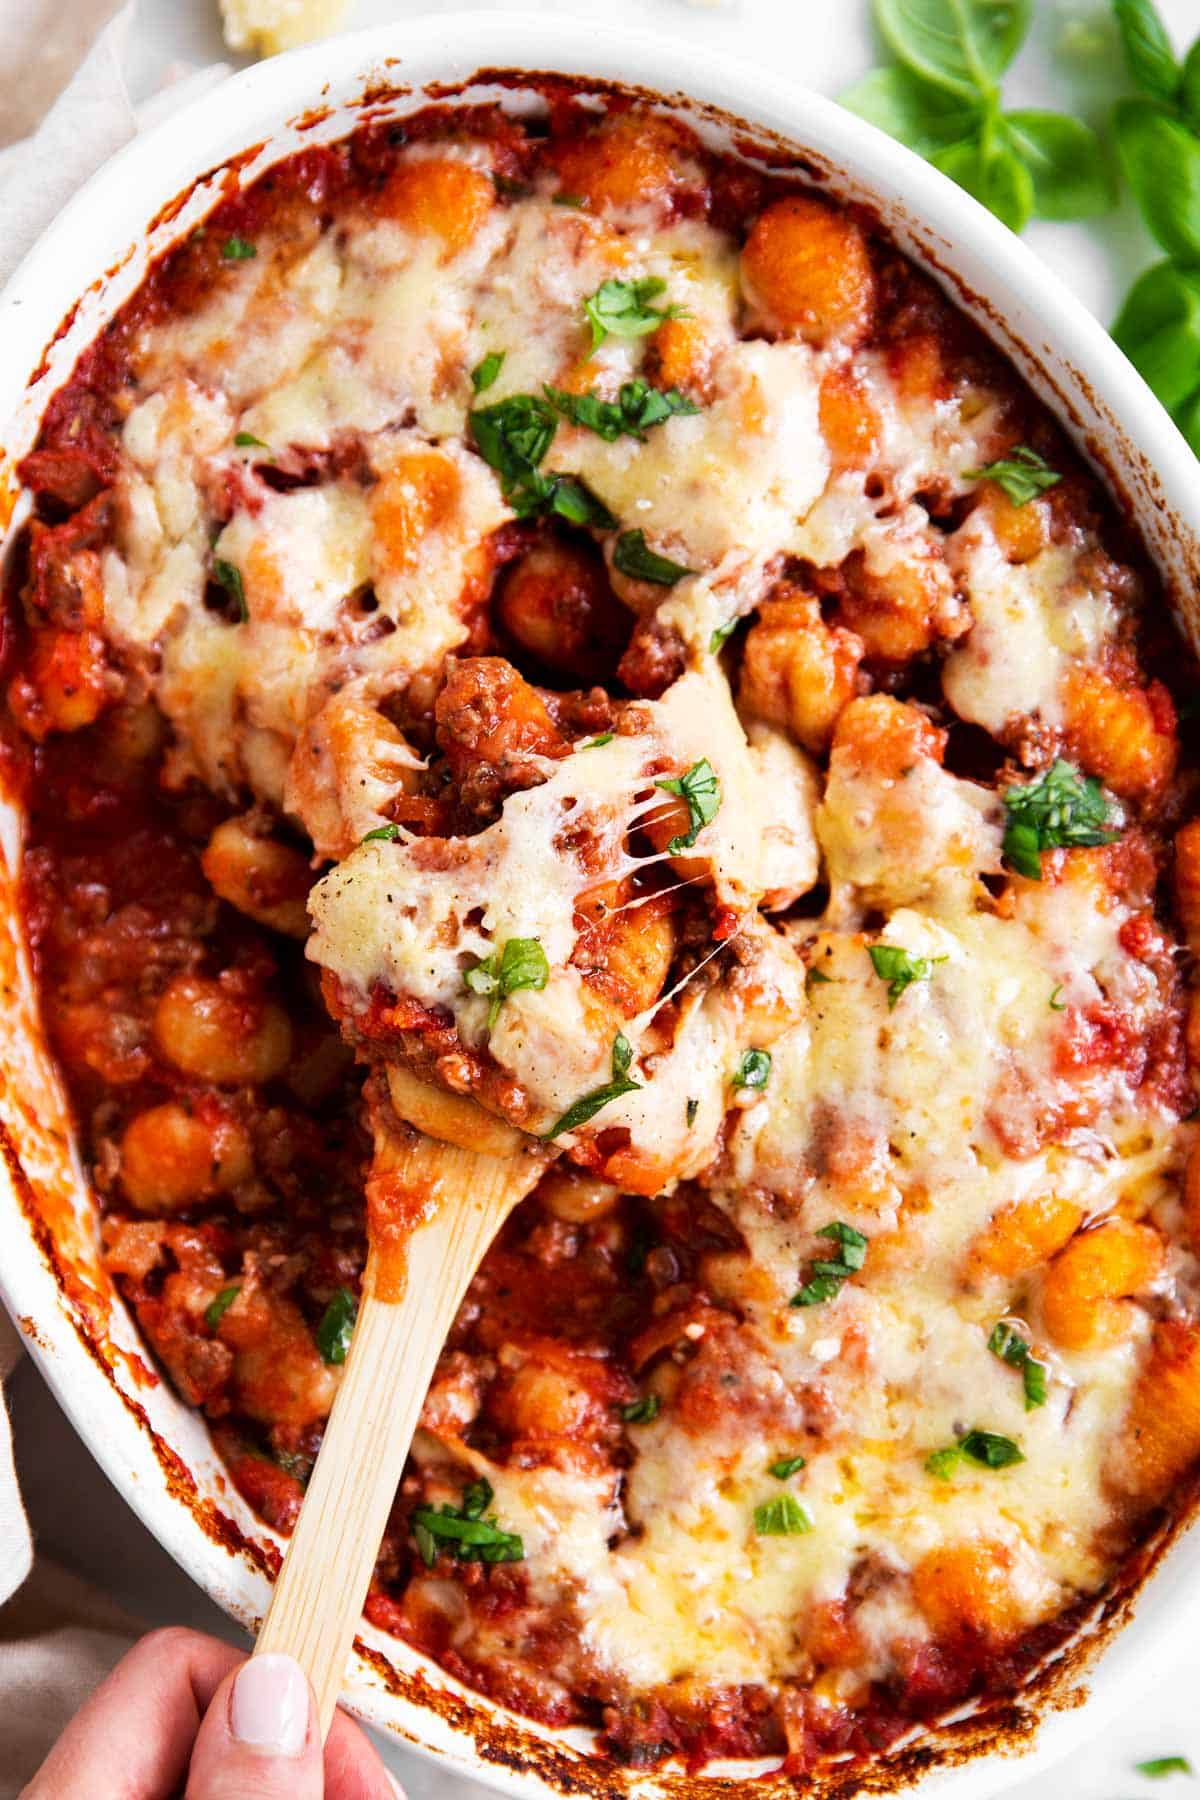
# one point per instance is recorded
(183, 1714)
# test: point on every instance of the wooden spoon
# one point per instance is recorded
(412, 1286)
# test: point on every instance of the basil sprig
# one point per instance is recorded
(513, 437)
(589, 1105)
(942, 98)
(1158, 144)
(521, 963)
(464, 1531)
(701, 790)
(1061, 809)
(337, 1326)
(636, 408)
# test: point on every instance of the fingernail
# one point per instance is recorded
(269, 1710)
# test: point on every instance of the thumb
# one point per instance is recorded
(259, 1739)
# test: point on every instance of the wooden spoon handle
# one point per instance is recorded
(320, 1590)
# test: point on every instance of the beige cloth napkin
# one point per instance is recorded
(58, 1636)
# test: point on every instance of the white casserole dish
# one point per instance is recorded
(151, 1445)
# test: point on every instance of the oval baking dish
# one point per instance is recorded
(94, 257)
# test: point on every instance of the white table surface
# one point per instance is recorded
(1070, 61)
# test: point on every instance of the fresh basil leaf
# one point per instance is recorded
(521, 963)
(229, 576)
(570, 498)
(1066, 163)
(463, 1530)
(337, 1326)
(995, 176)
(854, 1244)
(1187, 417)
(1060, 809)
(641, 1412)
(784, 1516)
(589, 1105)
(754, 1070)
(486, 371)
(637, 407)
(699, 787)
(238, 249)
(622, 309)
(942, 1463)
(513, 436)
(991, 1450)
(926, 118)
(1035, 1377)
(1161, 160)
(1157, 1766)
(1022, 475)
(1189, 87)
(216, 1309)
(963, 45)
(633, 557)
(900, 968)
(722, 635)
(1008, 1344)
(817, 1291)
(1158, 328)
(786, 1466)
(1148, 49)
(382, 834)
(826, 1277)
(246, 440)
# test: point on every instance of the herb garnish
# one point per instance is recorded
(521, 963)
(238, 249)
(640, 1412)
(216, 1309)
(722, 635)
(987, 1448)
(1008, 1344)
(754, 1070)
(486, 371)
(513, 437)
(1054, 1003)
(384, 834)
(465, 1531)
(589, 1105)
(826, 1275)
(246, 440)
(900, 968)
(784, 1516)
(229, 576)
(1158, 1766)
(636, 408)
(633, 557)
(337, 1326)
(699, 787)
(787, 1465)
(1022, 474)
(623, 309)
(596, 743)
(1062, 808)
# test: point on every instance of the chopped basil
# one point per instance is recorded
(238, 249)
(337, 1326)
(575, 200)
(987, 1448)
(521, 963)
(900, 968)
(229, 576)
(722, 635)
(384, 834)
(691, 1109)
(754, 1070)
(640, 1412)
(1060, 809)
(606, 737)
(1157, 1766)
(787, 1465)
(828, 1274)
(589, 1105)
(485, 372)
(513, 437)
(1008, 1344)
(702, 791)
(216, 1309)
(623, 309)
(632, 556)
(465, 1531)
(246, 440)
(1057, 1005)
(1022, 474)
(636, 408)
(817, 978)
(784, 1516)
